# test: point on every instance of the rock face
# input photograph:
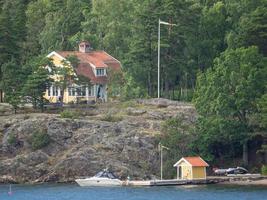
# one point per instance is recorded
(83, 146)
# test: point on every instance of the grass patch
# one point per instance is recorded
(39, 140)
(126, 104)
(109, 117)
(264, 170)
(69, 114)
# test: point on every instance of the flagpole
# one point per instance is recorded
(159, 60)
(165, 23)
(161, 159)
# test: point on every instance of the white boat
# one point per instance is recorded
(102, 178)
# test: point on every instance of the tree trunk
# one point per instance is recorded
(42, 104)
(245, 153)
(1, 96)
(167, 89)
(149, 84)
(173, 97)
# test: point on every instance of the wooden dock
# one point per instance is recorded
(172, 182)
(208, 180)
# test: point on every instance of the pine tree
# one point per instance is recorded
(11, 83)
(38, 80)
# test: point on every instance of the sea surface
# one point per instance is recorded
(74, 192)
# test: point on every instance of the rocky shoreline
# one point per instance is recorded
(243, 180)
(122, 136)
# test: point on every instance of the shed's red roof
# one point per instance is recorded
(196, 161)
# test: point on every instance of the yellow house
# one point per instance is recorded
(92, 65)
(191, 168)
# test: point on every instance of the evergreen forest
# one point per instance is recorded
(215, 57)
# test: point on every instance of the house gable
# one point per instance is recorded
(182, 161)
(192, 161)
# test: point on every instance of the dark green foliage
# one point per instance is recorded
(251, 28)
(37, 81)
(264, 170)
(131, 90)
(178, 135)
(262, 115)
(226, 98)
(225, 41)
(62, 21)
(69, 114)
(211, 32)
(115, 83)
(11, 82)
(66, 74)
(39, 139)
(12, 140)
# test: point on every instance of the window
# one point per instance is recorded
(49, 91)
(89, 92)
(93, 91)
(100, 72)
(71, 91)
(55, 91)
(81, 91)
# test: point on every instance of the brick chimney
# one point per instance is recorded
(84, 47)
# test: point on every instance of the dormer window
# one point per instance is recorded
(100, 72)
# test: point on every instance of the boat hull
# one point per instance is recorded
(87, 182)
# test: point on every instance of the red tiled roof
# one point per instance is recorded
(196, 161)
(85, 69)
(97, 59)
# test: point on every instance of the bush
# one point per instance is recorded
(12, 140)
(39, 140)
(69, 114)
(264, 170)
(112, 118)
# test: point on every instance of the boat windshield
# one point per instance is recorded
(105, 174)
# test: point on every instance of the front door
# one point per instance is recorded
(179, 172)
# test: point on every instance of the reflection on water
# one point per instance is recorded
(74, 192)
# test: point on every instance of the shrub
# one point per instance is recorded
(39, 140)
(69, 114)
(264, 170)
(112, 118)
(25, 117)
(12, 140)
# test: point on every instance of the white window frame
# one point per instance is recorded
(102, 72)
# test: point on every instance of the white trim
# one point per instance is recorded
(112, 57)
(179, 161)
(204, 161)
(56, 54)
(92, 65)
(61, 57)
(105, 72)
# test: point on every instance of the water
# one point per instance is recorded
(74, 192)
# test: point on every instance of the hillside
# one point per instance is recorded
(122, 136)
